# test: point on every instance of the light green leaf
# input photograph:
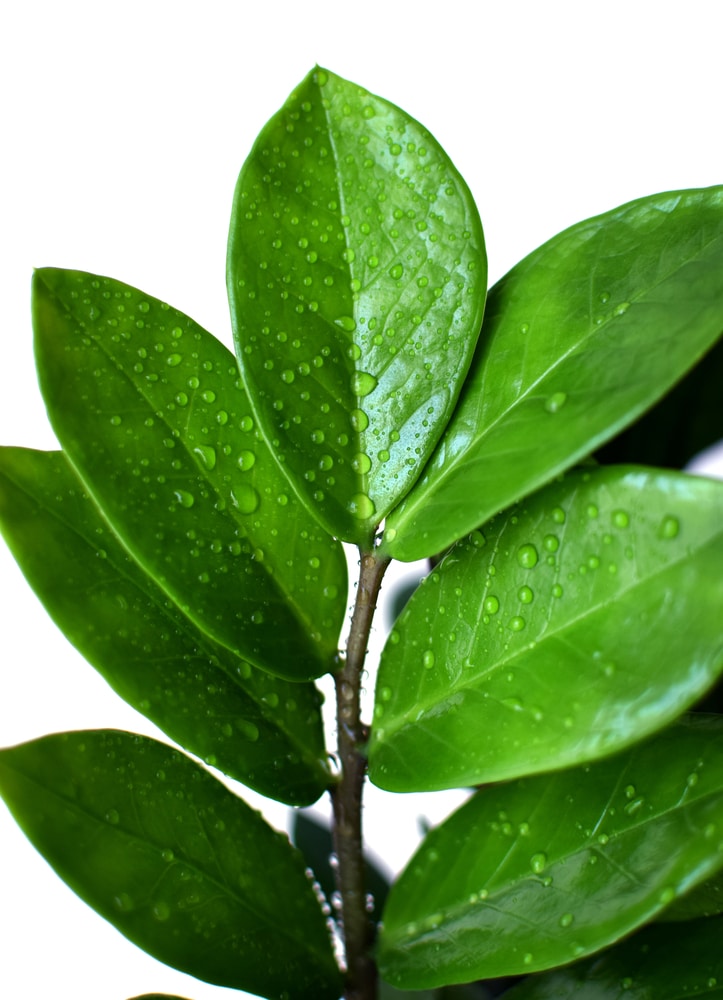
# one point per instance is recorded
(256, 728)
(534, 873)
(658, 963)
(566, 629)
(176, 862)
(356, 276)
(149, 410)
(578, 339)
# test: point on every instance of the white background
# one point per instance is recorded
(123, 129)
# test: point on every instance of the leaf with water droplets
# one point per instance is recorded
(254, 727)
(578, 340)
(476, 901)
(357, 277)
(562, 631)
(657, 963)
(164, 451)
(175, 861)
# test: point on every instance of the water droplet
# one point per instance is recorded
(113, 817)
(621, 519)
(361, 507)
(248, 730)
(346, 323)
(245, 498)
(516, 624)
(551, 543)
(359, 420)
(362, 383)
(592, 511)
(667, 895)
(428, 659)
(168, 855)
(525, 595)
(527, 556)
(123, 902)
(538, 862)
(173, 360)
(396, 271)
(527, 958)
(558, 515)
(206, 454)
(491, 605)
(557, 590)
(161, 911)
(669, 527)
(555, 402)
(566, 920)
(361, 463)
(185, 498)
(116, 420)
(246, 460)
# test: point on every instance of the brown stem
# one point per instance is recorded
(361, 973)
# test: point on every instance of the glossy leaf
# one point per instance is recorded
(568, 628)
(706, 900)
(150, 413)
(256, 728)
(578, 339)
(534, 873)
(176, 862)
(684, 423)
(356, 276)
(658, 963)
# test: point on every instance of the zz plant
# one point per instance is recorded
(188, 540)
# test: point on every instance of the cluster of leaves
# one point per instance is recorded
(187, 540)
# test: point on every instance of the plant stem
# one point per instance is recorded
(358, 930)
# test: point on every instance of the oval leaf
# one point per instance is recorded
(149, 411)
(658, 963)
(256, 728)
(534, 873)
(357, 277)
(176, 862)
(572, 627)
(578, 339)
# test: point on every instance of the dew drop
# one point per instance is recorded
(525, 595)
(206, 454)
(551, 543)
(173, 360)
(566, 920)
(113, 817)
(428, 659)
(558, 515)
(361, 507)
(248, 730)
(669, 527)
(621, 519)
(245, 498)
(161, 911)
(346, 323)
(361, 463)
(555, 402)
(396, 271)
(246, 460)
(185, 498)
(527, 556)
(362, 383)
(359, 420)
(516, 624)
(491, 605)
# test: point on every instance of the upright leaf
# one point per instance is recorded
(150, 413)
(658, 963)
(534, 873)
(175, 861)
(256, 728)
(578, 339)
(356, 276)
(569, 627)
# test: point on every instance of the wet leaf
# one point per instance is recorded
(176, 862)
(565, 629)
(658, 963)
(537, 872)
(705, 900)
(256, 728)
(150, 413)
(357, 276)
(578, 340)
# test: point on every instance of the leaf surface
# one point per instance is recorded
(357, 277)
(534, 873)
(565, 629)
(259, 729)
(658, 963)
(149, 410)
(578, 340)
(176, 862)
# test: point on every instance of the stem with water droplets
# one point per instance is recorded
(358, 929)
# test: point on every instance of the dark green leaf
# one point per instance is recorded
(149, 411)
(659, 963)
(175, 861)
(573, 626)
(357, 276)
(261, 730)
(534, 873)
(315, 842)
(578, 339)
(684, 423)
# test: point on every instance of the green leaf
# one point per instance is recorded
(356, 276)
(176, 862)
(704, 900)
(150, 413)
(256, 728)
(534, 873)
(578, 339)
(574, 625)
(684, 423)
(658, 963)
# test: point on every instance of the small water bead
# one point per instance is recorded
(555, 402)
(246, 460)
(538, 862)
(161, 911)
(113, 817)
(361, 463)
(359, 420)
(516, 624)
(551, 543)
(428, 659)
(116, 420)
(621, 519)
(566, 920)
(245, 498)
(346, 323)
(207, 454)
(527, 556)
(592, 511)
(669, 527)
(362, 383)
(361, 507)
(525, 595)
(185, 498)
(558, 515)
(491, 604)
(396, 271)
